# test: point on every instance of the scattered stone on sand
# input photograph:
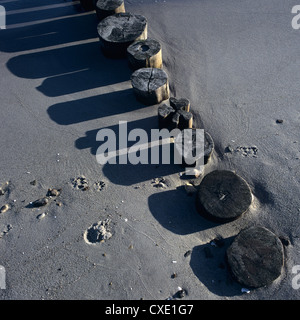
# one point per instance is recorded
(5, 230)
(188, 253)
(40, 202)
(33, 183)
(181, 293)
(98, 232)
(190, 189)
(229, 149)
(218, 242)
(4, 208)
(53, 192)
(4, 188)
(160, 183)
(42, 216)
(279, 121)
(81, 183)
(256, 257)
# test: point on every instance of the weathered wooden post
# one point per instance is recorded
(150, 85)
(120, 30)
(256, 257)
(223, 196)
(145, 54)
(105, 8)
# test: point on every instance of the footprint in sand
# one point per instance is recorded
(98, 232)
(81, 183)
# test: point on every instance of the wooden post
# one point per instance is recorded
(145, 54)
(150, 85)
(105, 8)
(223, 196)
(120, 30)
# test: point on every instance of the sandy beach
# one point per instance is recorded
(236, 61)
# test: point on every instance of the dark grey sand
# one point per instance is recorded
(236, 61)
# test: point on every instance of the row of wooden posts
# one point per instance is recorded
(223, 196)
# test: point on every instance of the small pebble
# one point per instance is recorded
(33, 183)
(41, 216)
(279, 121)
(40, 202)
(229, 148)
(4, 208)
(190, 189)
(53, 192)
(188, 253)
(180, 293)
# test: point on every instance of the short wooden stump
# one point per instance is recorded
(191, 148)
(256, 257)
(105, 8)
(120, 30)
(176, 115)
(223, 196)
(145, 54)
(150, 85)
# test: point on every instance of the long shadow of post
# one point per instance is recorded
(175, 211)
(59, 31)
(75, 111)
(130, 174)
(210, 266)
(70, 69)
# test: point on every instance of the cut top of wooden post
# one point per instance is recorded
(105, 8)
(180, 104)
(109, 5)
(150, 85)
(149, 79)
(145, 54)
(256, 257)
(223, 196)
(123, 28)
